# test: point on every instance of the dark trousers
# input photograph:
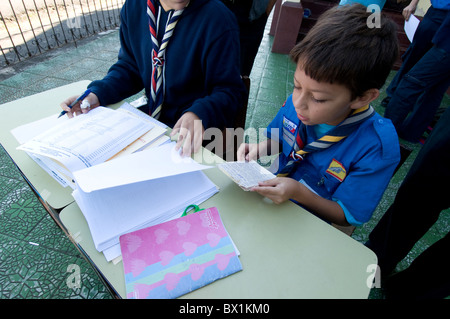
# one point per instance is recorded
(419, 86)
(419, 94)
(250, 32)
(419, 201)
(419, 46)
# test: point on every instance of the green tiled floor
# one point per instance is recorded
(35, 254)
(37, 260)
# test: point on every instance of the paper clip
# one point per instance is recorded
(195, 207)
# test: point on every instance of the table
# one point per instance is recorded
(285, 251)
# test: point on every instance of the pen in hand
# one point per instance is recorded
(80, 98)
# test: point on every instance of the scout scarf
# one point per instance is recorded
(333, 136)
(158, 52)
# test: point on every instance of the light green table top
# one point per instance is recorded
(286, 252)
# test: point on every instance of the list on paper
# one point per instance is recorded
(88, 139)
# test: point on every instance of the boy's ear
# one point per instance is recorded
(366, 98)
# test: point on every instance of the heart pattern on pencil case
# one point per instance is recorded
(189, 248)
(133, 242)
(213, 239)
(166, 256)
(137, 266)
(171, 280)
(196, 271)
(161, 235)
(222, 261)
(183, 227)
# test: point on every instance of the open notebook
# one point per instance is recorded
(61, 145)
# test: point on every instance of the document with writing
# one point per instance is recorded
(66, 145)
(246, 174)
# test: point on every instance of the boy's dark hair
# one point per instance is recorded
(342, 49)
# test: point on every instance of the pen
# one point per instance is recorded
(81, 97)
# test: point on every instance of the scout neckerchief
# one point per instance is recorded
(333, 136)
(158, 52)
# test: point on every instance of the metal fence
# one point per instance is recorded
(31, 27)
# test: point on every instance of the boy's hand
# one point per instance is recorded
(76, 109)
(279, 189)
(248, 152)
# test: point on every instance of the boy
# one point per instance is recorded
(341, 65)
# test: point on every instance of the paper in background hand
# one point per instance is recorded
(173, 258)
(411, 27)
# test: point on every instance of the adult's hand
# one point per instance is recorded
(191, 130)
(92, 99)
(409, 9)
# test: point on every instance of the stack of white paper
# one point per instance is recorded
(137, 191)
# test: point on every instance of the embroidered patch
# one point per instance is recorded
(337, 170)
(289, 125)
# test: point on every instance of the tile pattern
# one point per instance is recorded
(37, 259)
(34, 252)
(36, 256)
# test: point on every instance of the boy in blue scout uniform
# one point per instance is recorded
(337, 154)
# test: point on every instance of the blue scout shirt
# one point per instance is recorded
(355, 172)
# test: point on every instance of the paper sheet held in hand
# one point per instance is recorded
(246, 174)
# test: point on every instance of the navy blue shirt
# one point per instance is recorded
(201, 69)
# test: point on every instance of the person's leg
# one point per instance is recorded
(251, 35)
(424, 112)
(418, 47)
(431, 72)
(418, 203)
(426, 278)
